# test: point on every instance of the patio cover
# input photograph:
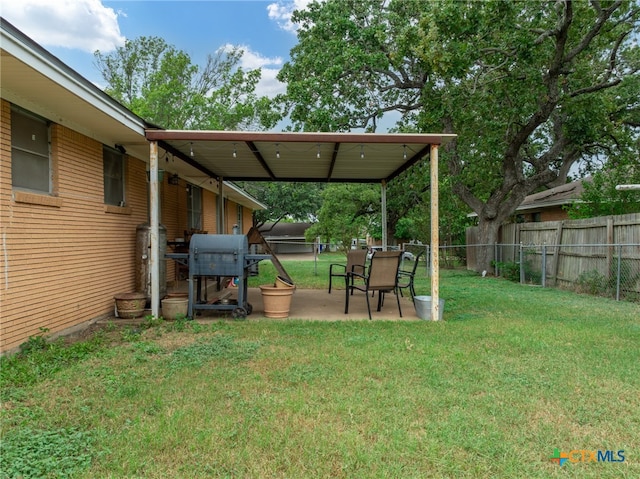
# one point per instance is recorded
(289, 156)
(318, 157)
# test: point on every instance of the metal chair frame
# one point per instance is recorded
(356, 263)
(406, 278)
(382, 276)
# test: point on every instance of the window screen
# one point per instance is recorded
(113, 163)
(30, 163)
(194, 207)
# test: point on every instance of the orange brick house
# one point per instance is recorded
(74, 189)
(547, 205)
(551, 204)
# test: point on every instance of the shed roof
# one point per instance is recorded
(283, 229)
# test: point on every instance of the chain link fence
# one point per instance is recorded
(610, 270)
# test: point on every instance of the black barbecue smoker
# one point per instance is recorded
(220, 256)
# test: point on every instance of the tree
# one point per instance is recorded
(348, 211)
(600, 197)
(531, 88)
(408, 202)
(297, 201)
(161, 84)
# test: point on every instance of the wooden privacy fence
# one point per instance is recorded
(600, 255)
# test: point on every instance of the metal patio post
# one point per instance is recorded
(435, 237)
(154, 223)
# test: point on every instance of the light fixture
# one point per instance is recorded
(318, 153)
(191, 148)
(277, 151)
(121, 149)
(404, 152)
(362, 151)
(166, 157)
(174, 179)
(235, 153)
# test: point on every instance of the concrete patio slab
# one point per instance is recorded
(316, 304)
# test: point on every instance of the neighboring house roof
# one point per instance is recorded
(284, 230)
(37, 80)
(559, 196)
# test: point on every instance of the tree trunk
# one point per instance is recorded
(487, 239)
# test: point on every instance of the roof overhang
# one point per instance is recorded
(38, 81)
(310, 157)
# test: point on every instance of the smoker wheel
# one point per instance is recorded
(239, 313)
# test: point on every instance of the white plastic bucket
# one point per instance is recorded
(423, 307)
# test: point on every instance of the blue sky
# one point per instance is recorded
(73, 29)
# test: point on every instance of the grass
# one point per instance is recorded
(511, 374)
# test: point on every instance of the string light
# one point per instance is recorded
(404, 152)
(362, 151)
(277, 151)
(235, 153)
(318, 154)
(191, 148)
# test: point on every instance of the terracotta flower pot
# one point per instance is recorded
(277, 301)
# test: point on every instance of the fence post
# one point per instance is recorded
(521, 264)
(495, 257)
(544, 265)
(619, 272)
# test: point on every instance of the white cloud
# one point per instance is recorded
(86, 25)
(281, 12)
(268, 85)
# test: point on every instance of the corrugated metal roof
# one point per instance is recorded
(317, 157)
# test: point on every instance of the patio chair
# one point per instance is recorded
(407, 274)
(356, 259)
(382, 276)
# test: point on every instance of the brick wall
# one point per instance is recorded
(64, 255)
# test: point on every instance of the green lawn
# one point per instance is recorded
(513, 373)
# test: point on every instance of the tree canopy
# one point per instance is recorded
(348, 211)
(600, 196)
(530, 88)
(161, 84)
(287, 200)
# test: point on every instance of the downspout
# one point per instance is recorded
(384, 216)
(435, 238)
(154, 223)
(220, 215)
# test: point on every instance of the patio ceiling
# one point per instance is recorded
(311, 157)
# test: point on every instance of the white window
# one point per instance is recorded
(113, 166)
(30, 158)
(194, 207)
